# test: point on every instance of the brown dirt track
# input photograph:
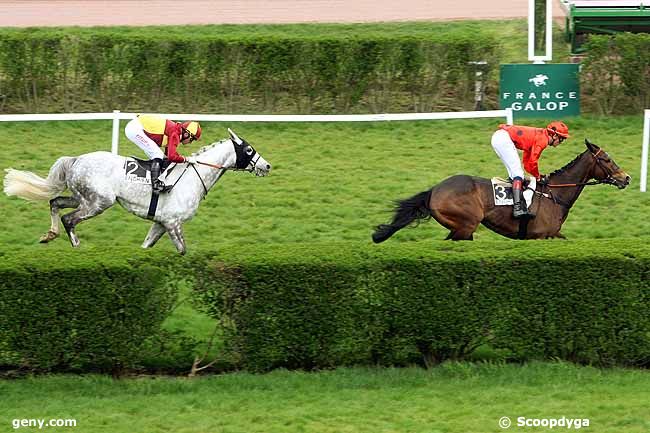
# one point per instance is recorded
(25, 13)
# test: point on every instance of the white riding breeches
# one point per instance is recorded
(136, 134)
(507, 152)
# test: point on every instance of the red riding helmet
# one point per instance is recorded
(558, 128)
(193, 128)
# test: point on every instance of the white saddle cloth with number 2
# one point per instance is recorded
(502, 190)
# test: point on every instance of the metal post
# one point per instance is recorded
(478, 83)
(116, 131)
(644, 152)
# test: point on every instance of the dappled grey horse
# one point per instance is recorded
(97, 180)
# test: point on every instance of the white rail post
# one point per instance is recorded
(548, 50)
(644, 152)
(509, 116)
(116, 131)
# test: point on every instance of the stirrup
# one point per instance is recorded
(520, 211)
(159, 186)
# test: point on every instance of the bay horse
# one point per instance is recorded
(98, 179)
(460, 203)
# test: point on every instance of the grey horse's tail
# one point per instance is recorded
(415, 208)
(29, 186)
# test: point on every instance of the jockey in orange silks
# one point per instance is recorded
(532, 141)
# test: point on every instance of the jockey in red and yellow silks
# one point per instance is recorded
(151, 133)
(165, 133)
(532, 141)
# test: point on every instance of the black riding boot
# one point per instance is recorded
(156, 184)
(519, 207)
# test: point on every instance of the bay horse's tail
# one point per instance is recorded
(29, 186)
(415, 208)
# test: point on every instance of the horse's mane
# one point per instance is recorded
(567, 166)
(208, 147)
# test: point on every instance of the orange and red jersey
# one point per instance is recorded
(164, 133)
(532, 141)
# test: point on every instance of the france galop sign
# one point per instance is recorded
(540, 90)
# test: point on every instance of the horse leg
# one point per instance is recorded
(155, 233)
(461, 235)
(83, 212)
(461, 227)
(175, 231)
(56, 204)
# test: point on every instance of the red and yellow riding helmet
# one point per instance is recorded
(193, 128)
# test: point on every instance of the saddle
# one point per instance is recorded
(145, 164)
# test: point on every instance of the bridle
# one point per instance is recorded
(250, 167)
(599, 161)
(609, 180)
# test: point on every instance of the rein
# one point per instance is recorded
(215, 166)
(567, 185)
(608, 180)
(210, 165)
(205, 189)
(550, 195)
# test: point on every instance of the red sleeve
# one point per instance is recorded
(173, 139)
(531, 160)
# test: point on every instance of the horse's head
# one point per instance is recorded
(234, 153)
(247, 157)
(606, 169)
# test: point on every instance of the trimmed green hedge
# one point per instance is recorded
(323, 305)
(616, 72)
(81, 310)
(298, 69)
(221, 70)
(313, 306)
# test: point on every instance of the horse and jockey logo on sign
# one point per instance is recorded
(538, 80)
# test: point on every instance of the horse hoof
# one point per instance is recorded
(49, 236)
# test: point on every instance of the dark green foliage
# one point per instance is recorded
(73, 311)
(617, 72)
(296, 306)
(325, 71)
(323, 305)
(591, 309)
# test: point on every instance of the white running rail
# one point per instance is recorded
(644, 150)
(117, 115)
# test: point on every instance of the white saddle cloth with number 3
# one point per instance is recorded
(502, 190)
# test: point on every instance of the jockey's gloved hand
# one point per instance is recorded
(190, 159)
(543, 179)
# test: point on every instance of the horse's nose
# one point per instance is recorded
(268, 167)
(627, 180)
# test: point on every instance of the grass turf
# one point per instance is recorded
(329, 182)
(452, 398)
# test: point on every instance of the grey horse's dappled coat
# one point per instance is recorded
(97, 180)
